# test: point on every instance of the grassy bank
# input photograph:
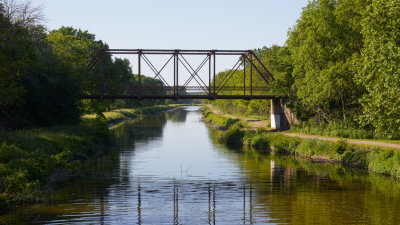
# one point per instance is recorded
(222, 121)
(32, 159)
(122, 114)
(377, 160)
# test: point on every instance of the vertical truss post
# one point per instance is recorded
(177, 73)
(251, 74)
(174, 73)
(102, 76)
(213, 52)
(209, 74)
(139, 75)
(244, 75)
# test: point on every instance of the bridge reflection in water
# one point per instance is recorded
(212, 204)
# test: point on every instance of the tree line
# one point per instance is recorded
(340, 65)
(43, 74)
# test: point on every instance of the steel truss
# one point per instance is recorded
(211, 90)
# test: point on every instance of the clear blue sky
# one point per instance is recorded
(178, 24)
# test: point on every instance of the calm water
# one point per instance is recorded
(169, 169)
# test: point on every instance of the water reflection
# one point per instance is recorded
(169, 169)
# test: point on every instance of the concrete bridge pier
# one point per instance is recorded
(281, 116)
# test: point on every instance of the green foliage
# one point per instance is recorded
(219, 120)
(379, 68)
(385, 162)
(277, 143)
(12, 62)
(243, 107)
(340, 146)
(43, 76)
(35, 86)
(260, 143)
(233, 137)
(121, 114)
(324, 44)
(318, 149)
(334, 129)
(356, 157)
(340, 68)
(29, 159)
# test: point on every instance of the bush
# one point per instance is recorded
(340, 146)
(222, 121)
(29, 157)
(333, 129)
(233, 137)
(318, 148)
(260, 143)
(357, 158)
(384, 161)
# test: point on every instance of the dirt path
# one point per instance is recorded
(254, 124)
(353, 141)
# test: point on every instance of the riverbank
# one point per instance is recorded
(375, 159)
(253, 124)
(119, 115)
(33, 159)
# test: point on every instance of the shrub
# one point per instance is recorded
(334, 129)
(29, 157)
(233, 136)
(356, 158)
(340, 146)
(315, 147)
(260, 143)
(384, 161)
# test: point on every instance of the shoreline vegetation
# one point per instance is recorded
(236, 134)
(33, 159)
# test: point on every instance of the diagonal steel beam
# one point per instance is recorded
(147, 61)
(231, 74)
(255, 67)
(204, 89)
(230, 71)
(197, 70)
(120, 74)
(193, 70)
(159, 72)
(95, 59)
(259, 61)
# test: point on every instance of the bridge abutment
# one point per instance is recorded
(281, 116)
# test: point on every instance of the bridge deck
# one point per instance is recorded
(245, 97)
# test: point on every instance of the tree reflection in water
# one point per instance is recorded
(143, 181)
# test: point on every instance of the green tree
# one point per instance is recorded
(379, 67)
(324, 45)
(35, 89)
(13, 62)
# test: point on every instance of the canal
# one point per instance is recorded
(168, 168)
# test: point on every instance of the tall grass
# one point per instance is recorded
(333, 129)
(121, 114)
(210, 117)
(29, 159)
